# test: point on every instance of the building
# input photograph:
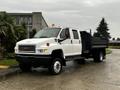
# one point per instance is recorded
(114, 43)
(33, 20)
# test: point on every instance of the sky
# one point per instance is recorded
(82, 14)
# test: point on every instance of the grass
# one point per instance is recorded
(8, 62)
(108, 51)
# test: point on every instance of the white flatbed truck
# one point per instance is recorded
(52, 47)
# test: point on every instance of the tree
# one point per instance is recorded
(102, 30)
(21, 32)
(118, 39)
(6, 30)
(10, 33)
(6, 24)
(113, 39)
(32, 33)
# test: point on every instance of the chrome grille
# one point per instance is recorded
(27, 48)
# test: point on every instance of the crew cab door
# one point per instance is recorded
(76, 39)
(66, 42)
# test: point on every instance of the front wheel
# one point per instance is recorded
(56, 66)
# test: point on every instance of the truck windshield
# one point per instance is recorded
(47, 33)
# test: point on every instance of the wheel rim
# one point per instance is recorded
(57, 66)
(101, 57)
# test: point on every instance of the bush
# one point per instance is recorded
(32, 33)
(10, 55)
(108, 51)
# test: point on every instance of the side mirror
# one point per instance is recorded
(60, 40)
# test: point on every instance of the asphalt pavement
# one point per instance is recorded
(89, 76)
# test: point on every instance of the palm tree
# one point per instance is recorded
(7, 31)
(6, 23)
(20, 32)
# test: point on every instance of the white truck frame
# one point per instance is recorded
(53, 52)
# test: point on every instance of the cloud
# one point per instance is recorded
(93, 3)
(76, 13)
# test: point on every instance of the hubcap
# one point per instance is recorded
(57, 66)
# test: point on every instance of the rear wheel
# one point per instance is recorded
(98, 56)
(56, 66)
(101, 57)
(25, 67)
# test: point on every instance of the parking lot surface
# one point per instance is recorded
(88, 76)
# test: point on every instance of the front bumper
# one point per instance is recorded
(34, 60)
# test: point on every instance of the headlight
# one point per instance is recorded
(42, 50)
(16, 50)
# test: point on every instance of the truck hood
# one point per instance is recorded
(35, 41)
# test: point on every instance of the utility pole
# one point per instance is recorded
(28, 32)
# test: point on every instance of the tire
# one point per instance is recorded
(56, 66)
(104, 53)
(25, 67)
(99, 56)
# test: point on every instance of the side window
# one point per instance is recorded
(75, 34)
(65, 33)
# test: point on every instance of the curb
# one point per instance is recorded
(4, 67)
(4, 73)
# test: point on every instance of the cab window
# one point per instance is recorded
(75, 34)
(65, 33)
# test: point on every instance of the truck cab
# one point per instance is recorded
(50, 48)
